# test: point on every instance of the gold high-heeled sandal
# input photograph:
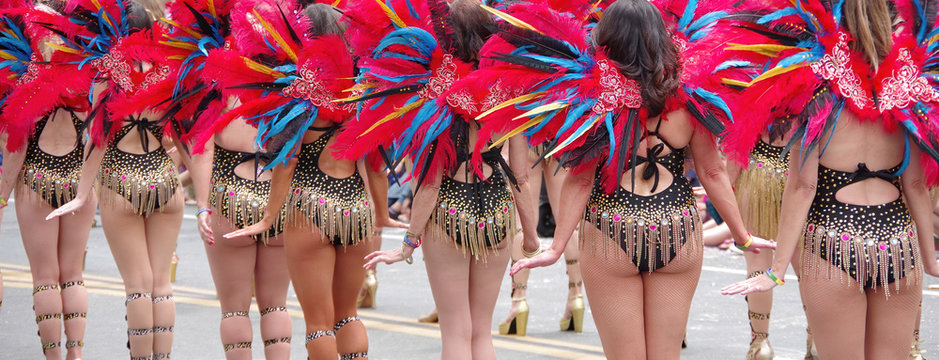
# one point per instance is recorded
(173, 264)
(367, 295)
(575, 321)
(84, 257)
(760, 348)
(811, 353)
(915, 352)
(518, 324)
(430, 318)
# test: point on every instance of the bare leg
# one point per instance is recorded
(162, 232)
(571, 253)
(836, 333)
(351, 338)
(668, 293)
(271, 281)
(40, 239)
(890, 322)
(310, 261)
(73, 232)
(483, 292)
(759, 306)
(520, 279)
(366, 297)
(615, 288)
(449, 273)
(232, 262)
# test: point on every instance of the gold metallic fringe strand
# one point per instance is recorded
(349, 224)
(473, 233)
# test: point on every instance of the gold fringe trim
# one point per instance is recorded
(234, 205)
(473, 233)
(759, 194)
(872, 256)
(51, 188)
(350, 224)
(145, 193)
(647, 235)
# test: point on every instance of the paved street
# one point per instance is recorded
(717, 329)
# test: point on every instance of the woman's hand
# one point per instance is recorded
(389, 222)
(388, 256)
(67, 208)
(205, 227)
(932, 269)
(760, 283)
(547, 257)
(253, 229)
(758, 243)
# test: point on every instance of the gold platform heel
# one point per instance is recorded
(173, 264)
(811, 353)
(430, 318)
(575, 322)
(518, 324)
(760, 348)
(84, 258)
(367, 295)
(915, 352)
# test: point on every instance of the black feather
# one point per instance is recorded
(293, 34)
(203, 23)
(260, 86)
(526, 62)
(442, 24)
(540, 44)
(706, 118)
(392, 91)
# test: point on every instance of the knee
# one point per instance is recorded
(319, 319)
(140, 282)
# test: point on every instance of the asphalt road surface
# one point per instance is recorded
(717, 328)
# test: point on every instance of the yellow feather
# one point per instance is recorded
(510, 102)
(518, 130)
(180, 45)
(7, 56)
(277, 38)
(593, 121)
(510, 19)
(183, 28)
(211, 4)
(336, 3)
(542, 109)
(391, 14)
(775, 71)
(733, 82)
(63, 48)
(262, 69)
(355, 88)
(397, 113)
(763, 49)
(177, 57)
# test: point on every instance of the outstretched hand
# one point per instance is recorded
(205, 228)
(547, 257)
(250, 230)
(760, 243)
(67, 208)
(760, 283)
(389, 222)
(388, 257)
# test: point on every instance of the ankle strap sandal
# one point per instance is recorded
(69, 284)
(229, 314)
(318, 334)
(135, 296)
(42, 288)
(76, 315)
(269, 310)
(241, 345)
(270, 342)
(159, 299)
(363, 355)
(343, 322)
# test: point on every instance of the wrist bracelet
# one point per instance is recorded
(533, 253)
(3, 202)
(409, 259)
(414, 245)
(412, 235)
(749, 241)
(203, 210)
(778, 281)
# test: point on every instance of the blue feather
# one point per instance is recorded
(715, 100)
(706, 20)
(776, 15)
(688, 15)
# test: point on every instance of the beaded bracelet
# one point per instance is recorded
(749, 241)
(533, 253)
(407, 241)
(3, 202)
(203, 210)
(769, 272)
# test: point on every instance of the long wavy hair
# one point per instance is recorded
(324, 19)
(471, 27)
(634, 36)
(871, 23)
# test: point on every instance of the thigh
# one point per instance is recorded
(40, 237)
(348, 276)
(837, 314)
(614, 287)
(485, 279)
(232, 262)
(310, 261)
(890, 321)
(162, 231)
(73, 232)
(127, 238)
(271, 278)
(448, 273)
(668, 293)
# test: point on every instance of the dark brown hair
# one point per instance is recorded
(471, 27)
(324, 20)
(871, 24)
(634, 36)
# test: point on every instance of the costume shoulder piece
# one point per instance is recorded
(814, 74)
(401, 112)
(31, 85)
(287, 83)
(195, 28)
(99, 39)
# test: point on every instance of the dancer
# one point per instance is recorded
(141, 206)
(464, 218)
(640, 234)
(328, 202)
(856, 202)
(42, 160)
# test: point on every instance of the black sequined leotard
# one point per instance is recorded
(476, 215)
(874, 244)
(339, 207)
(241, 201)
(651, 230)
(759, 189)
(53, 178)
(148, 181)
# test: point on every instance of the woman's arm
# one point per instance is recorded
(575, 193)
(12, 164)
(422, 207)
(918, 201)
(94, 155)
(527, 209)
(713, 176)
(201, 172)
(281, 177)
(377, 183)
(796, 202)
